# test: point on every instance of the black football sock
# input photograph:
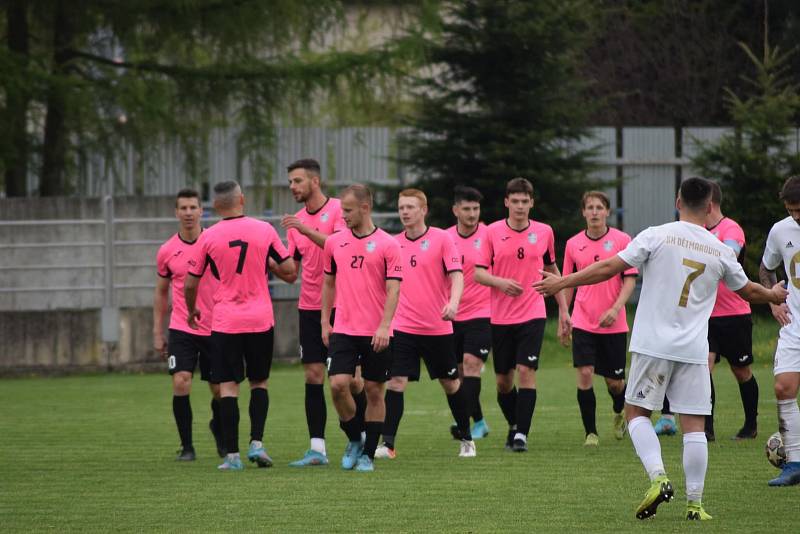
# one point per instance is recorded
(587, 403)
(749, 392)
(458, 407)
(360, 399)
(394, 412)
(259, 406)
(352, 428)
(374, 429)
(526, 404)
(472, 390)
(182, 410)
(316, 411)
(710, 418)
(508, 405)
(618, 399)
(215, 414)
(665, 409)
(229, 408)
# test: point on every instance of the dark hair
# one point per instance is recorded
(311, 166)
(462, 193)
(695, 192)
(223, 188)
(519, 185)
(187, 192)
(360, 191)
(596, 194)
(716, 193)
(791, 190)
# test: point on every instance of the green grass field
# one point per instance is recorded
(95, 453)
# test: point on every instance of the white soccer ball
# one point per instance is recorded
(776, 454)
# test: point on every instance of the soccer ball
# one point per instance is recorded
(776, 454)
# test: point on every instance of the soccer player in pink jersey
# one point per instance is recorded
(306, 233)
(471, 328)
(599, 324)
(240, 250)
(186, 347)
(517, 248)
(363, 270)
(432, 285)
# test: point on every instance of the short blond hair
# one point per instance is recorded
(361, 192)
(415, 193)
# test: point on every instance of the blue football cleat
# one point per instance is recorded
(364, 464)
(310, 458)
(665, 427)
(257, 454)
(790, 475)
(480, 429)
(351, 454)
(231, 463)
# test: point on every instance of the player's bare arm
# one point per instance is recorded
(328, 294)
(293, 222)
(780, 312)
(551, 283)
(456, 290)
(758, 294)
(160, 302)
(284, 271)
(564, 321)
(510, 287)
(609, 316)
(380, 341)
(190, 285)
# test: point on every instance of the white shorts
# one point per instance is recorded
(688, 385)
(787, 357)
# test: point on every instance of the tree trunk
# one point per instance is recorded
(54, 151)
(17, 101)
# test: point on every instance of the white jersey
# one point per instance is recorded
(681, 265)
(783, 245)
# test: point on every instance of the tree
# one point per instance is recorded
(94, 76)
(752, 162)
(503, 99)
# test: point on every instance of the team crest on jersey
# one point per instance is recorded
(425, 245)
(608, 245)
(324, 217)
(477, 243)
(532, 238)
(370, 246)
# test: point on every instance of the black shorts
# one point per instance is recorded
(437, 351)
(472, 337)
(186, 351)
(345, 352)
(235, 356)
(517, 344)
(732, 337)
(312, 349)
(605, 352)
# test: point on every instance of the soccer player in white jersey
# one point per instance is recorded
(783, 245)
(682, 264)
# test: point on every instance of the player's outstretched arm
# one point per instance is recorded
(160, 301)
(190, 284)
(506, 285)
(550, 284)
(328, 296)
(758, 294)
(282, 270)
(291, 221)
(380, 341)
(780, 312)
(456, 290)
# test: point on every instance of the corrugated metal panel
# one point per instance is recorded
(692, 139)
(648, 190)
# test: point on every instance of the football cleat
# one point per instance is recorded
(384, 451)
(480, 429)
(512, 431)
(213, 426)
(519, 445)
(746, 433)
(467, 449)
(186, 454)
(310, 458)
(257, 454)
(660, 491)
(232, 463)
(620, 426)
(364, 464)
(665, 427)
(352, 452)
(790, 475)
(695, 512)
(592, 440)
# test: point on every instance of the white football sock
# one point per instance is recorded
(789, 423)
(647, 446)
(695, 463)
(318, 445)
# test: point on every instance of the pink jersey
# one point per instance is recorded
(327, 220)
(729, 303)
(475, 302)
(592, 301)
(427, 262)
(238, 248)
(172, 262)
(361, 266)
(519, 255)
